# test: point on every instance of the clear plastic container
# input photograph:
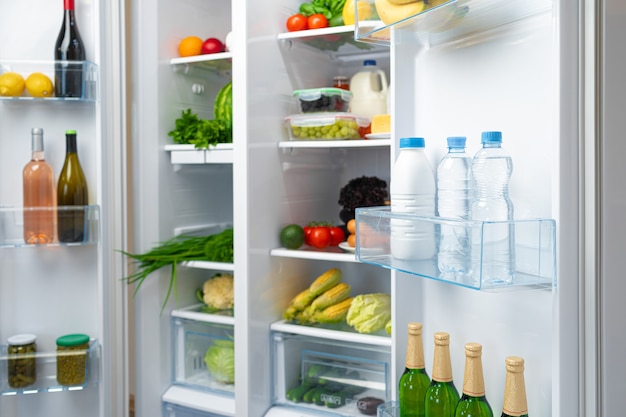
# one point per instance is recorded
(326, 126)
(315, 100)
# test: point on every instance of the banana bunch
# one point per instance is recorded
(391, 11)
(326, 300)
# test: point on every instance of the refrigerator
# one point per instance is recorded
(547, 73)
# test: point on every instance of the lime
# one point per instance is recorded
(292, 236)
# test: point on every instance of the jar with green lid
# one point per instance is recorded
(72, 359)
(22, 363)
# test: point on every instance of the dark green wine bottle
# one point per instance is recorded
(414, 380)
(72, 196)
(441, 397)
(473, 401)
(514, 404)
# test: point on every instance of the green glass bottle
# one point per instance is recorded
(441, 397)
(414, 380)
(514, 404)
(71, 191)
(473, 402)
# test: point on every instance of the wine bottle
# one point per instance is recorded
(414, 380)
(473, 402)
(514, 404)
(441, 396)
(38, 194)
(69, 53)
(71, 191)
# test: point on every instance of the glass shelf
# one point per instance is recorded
(221, 62)
(324, 144)
(533, 243)
(443, 21)
(222, 153)
(12, 224)
(46, 363)
(345, 334)
(328, 254)
(25, 68)
(338, 41)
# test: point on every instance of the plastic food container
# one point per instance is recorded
(326, 126)
(315, 100)
(22, 360)
(72, 359)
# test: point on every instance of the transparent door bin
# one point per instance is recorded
(442, 20)
(203, 355)
(533, 244)
(328, 376)
(86, 69)
(389, 409)
(12, 224)
(46, 365)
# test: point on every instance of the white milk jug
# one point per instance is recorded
(369, 91)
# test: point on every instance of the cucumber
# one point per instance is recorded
(296, 393)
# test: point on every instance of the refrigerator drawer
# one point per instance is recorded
(173, 410)
(329, 376)
(531, 244)
(203, 355)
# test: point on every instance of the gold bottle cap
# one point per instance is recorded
(514, 364)
(473, 349)
(415, 328)
(442, 339)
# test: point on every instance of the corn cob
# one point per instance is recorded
(297, 304)
(325, 281)
(336, 313)
(336, 294)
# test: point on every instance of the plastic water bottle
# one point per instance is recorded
(491, 172)
(453, 202)
(412, 190)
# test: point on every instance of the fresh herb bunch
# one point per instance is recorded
(202, 133)
(363, 192)
(215, 248)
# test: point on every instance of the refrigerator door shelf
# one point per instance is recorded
(533, 242)
(46, 364)
(222, 153)
(88, 69)
(446, 21)
(12, 224)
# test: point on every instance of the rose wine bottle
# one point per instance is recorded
(473, 402)
(39, 196)
(414, 380)
(69, 54)
(72, 195)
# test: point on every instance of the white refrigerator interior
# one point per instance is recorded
(60, 289)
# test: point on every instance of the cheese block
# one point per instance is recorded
(381, 123)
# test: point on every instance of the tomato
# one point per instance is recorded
(307, 235)
(337, 235)
(317, 21)
(320, 237)
(297, 22)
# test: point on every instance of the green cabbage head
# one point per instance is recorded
(369, 313)
(220, 359)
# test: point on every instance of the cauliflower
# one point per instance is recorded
(218, 292)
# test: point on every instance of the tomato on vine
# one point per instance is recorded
(317, 21)
(297, 22)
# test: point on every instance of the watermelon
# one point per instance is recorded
(223, 107)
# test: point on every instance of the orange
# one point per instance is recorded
(190, 46)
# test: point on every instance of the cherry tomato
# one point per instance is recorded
(320, 237)
(307, 235)
(297, 22)
(337, 235)
(317, 21)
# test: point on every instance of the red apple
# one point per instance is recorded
(212, 46)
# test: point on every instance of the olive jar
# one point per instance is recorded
(22, 363)
(72, 359)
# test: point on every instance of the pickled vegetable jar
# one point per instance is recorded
(72, 359)
(22, 361)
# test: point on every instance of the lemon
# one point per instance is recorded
(39, 85)
(365, 11)
(11, 84)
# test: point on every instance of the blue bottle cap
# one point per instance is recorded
(456, 141)
(412, 143)
(491, 137)
(369, 62)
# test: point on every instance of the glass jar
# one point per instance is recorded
(72, 359)
(22, 363)
(341, 81)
